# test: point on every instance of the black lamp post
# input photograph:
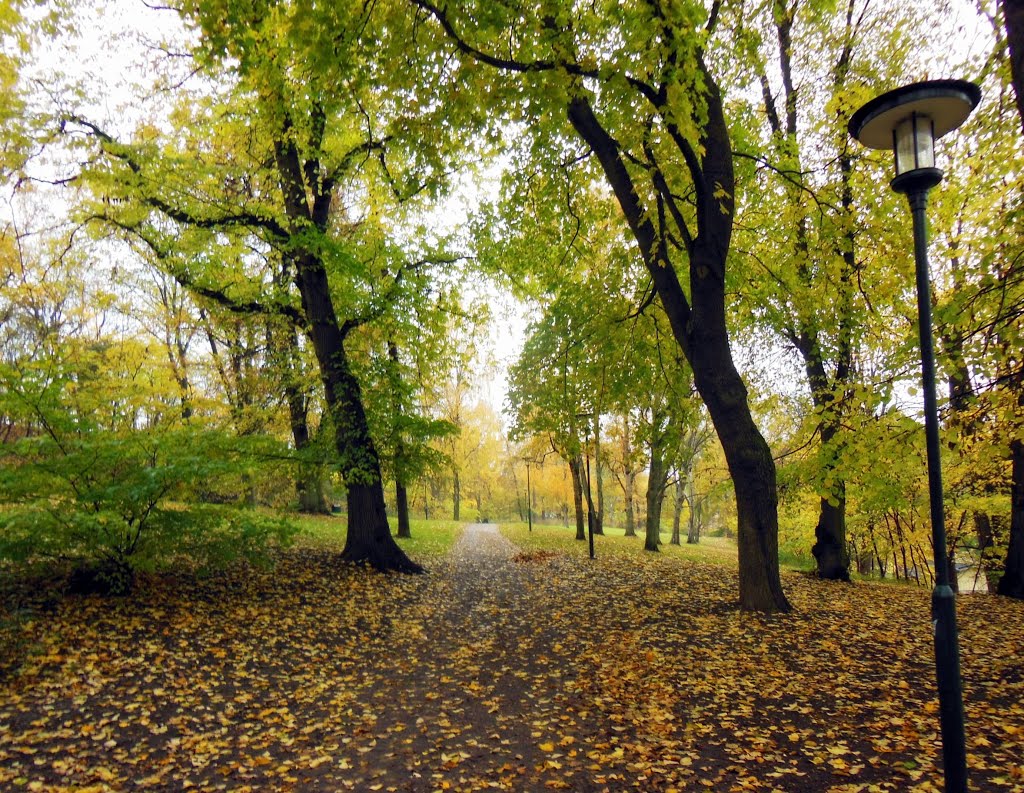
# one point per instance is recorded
(908, 120)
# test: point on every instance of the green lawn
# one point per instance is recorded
(429, 537)
(717, 550)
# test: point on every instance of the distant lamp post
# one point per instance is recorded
(909, 120)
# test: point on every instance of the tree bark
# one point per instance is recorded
(696, 508)
(1012, 582)
(628, 493)
(456, 495)
(402, 507)
(598, 476)
(592, 518)
(576, 470)
(677, 509)
(655, 498)
(1013, 23)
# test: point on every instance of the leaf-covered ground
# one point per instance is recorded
(504, 670)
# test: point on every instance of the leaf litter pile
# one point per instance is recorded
(503, 671)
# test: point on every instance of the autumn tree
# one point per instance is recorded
(639, 95)
(280, 160)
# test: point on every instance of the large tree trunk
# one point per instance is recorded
(576, 470)
(829, 549)
(369, 536)
(1013, 21)
(1012, 582)
(699, 326)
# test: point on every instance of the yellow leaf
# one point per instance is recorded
(548, 746)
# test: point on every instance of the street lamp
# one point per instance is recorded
(909, 120)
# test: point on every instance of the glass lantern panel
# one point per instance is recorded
(914, 144)
(925, 146)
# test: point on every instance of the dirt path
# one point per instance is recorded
(488, 680)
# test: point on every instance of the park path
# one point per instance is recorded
(485, 688)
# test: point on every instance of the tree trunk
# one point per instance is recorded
(699, 326)
(829, 549)
(456, 495)
(655, 498)
(308, 484)
(575, 469)
(401, 492)
(1012, 582)
(696, 511)
(628, 492)
(1013, 21)
(677, 508)
(587, 492)
(598, 477)
(402, 507)
(369, 536)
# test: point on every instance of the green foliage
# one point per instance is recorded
(108, 489)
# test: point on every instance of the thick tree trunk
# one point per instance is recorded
(830, 551)
(576, 470)
(1012, 582)
(699, 326)
(1013, 21)
(365, 541)
(369, 535)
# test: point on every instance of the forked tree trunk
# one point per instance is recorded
(369, 536)
(699, 325)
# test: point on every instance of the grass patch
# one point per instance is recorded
(430, 538)
(716, 550)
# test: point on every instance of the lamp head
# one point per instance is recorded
(909, 120)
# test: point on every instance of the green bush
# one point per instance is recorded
(111, 497)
